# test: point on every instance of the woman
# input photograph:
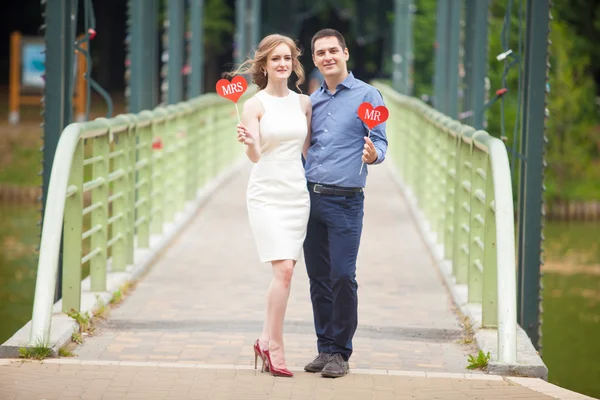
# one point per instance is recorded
(276, 130)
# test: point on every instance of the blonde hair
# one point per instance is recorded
(255, 66)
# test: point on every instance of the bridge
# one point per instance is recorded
(172, 223)
(153, 205)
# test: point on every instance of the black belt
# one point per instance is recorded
(334, 190)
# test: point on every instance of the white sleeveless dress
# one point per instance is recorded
(277, 198)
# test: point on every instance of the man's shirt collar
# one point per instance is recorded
(347, 83)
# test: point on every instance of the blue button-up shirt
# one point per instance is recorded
(336, 146)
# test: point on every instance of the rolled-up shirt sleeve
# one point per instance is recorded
(378, 136)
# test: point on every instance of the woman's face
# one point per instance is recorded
(279, 62)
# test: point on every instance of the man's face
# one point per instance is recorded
(329, 57)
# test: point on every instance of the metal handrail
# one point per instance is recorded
(123, 165)
(462, 184)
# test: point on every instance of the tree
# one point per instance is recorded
(573, 162)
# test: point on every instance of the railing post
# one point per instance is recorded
(531, 173)
(130, 215)
(196, 86)
(451, 185)
(144, 46)
(190, 127)
(99, 239)
(462, 210)
(477, 226)
(453, 42)
(204, 124)
(489, 303)
(61, 20)
(119, 204)
(210, 164)
(158, 172)
(71, 278)
(179, 156)
(440, 53)
(144, 182)
(240, 31)
(176, 26)
(169, 171)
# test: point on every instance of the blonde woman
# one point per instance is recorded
(276, 131)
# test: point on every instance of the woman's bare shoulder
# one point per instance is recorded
(253, 106)
(306, 103)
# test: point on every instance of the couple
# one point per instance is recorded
(318, 206)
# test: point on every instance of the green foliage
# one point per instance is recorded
(583, 20)
(83, 320)
(65, 352)
(424, 41)
(21, 166)
(573, 126)
(117, 297)
(574, 144)
(77, 337)
(37, 352)
(218, 24)
(479, 362)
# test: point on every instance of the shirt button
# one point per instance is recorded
(328, 113)
(326, 130)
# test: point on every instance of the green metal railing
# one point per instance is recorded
(115, 182)
(461, 181)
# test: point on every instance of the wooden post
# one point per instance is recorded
(14, 83)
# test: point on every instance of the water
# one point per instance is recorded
(571, 317)
(571, 306)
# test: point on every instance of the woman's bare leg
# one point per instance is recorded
(277, 298)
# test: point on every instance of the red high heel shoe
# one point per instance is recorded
(274, 370)
(259, 353)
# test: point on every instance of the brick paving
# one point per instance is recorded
(186, 331)
(204, 299)
(52, 381)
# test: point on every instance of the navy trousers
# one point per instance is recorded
(330, 250)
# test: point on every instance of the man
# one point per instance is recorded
(333, 163)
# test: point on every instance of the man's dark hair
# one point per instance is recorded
(327, 33)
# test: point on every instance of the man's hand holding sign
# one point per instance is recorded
(371, 117)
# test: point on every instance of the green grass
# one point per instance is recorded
(18, 261)
(571, 331)
(478, 361)
(65, 352)
(24, 166)
(37, 352)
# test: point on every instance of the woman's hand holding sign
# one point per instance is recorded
(233, 91)
(371, 117)
(244, 135)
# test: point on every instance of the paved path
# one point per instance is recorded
(50, 381)
(204, 299)
(186, 332)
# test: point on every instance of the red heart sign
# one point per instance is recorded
(372, 116)
(232, 90)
